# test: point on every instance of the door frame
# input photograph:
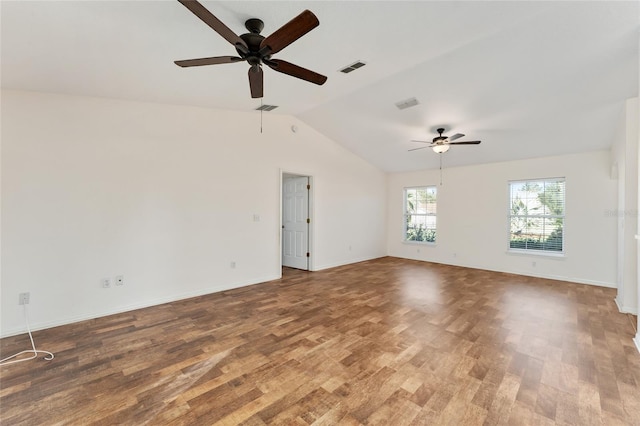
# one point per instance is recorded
(310, 240)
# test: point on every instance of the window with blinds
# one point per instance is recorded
(536, 215)
(420, 214)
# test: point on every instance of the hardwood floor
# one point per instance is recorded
(388, 342)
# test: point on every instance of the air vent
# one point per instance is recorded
(352, 67)
(266, 107)
(407, 103)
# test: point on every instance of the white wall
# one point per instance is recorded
(618, 170)
(625, 154)
(473, 226)
(166, 196)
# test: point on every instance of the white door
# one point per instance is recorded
(295, 222)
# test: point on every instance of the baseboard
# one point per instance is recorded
(564, 278)
(625, 309)
(629, 310)
(615, 299)
(146, 304)
(523, 273)
(345, 262)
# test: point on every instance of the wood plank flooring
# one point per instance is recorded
(382, 342)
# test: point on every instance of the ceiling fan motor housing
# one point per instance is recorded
(440, 143)
(253, 39)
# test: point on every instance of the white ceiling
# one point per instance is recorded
(527, 78)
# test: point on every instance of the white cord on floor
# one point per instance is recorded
(33, 349)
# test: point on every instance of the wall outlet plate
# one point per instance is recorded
(106, 282)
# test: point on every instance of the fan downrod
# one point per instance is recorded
(439, 139)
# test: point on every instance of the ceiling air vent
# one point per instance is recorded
(407, 103)
(266, 107)
(352, 67)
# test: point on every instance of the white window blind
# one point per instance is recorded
(536, 215)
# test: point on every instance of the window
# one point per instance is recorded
(420, 214)
(536, 215)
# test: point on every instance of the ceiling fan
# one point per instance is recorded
(255, 48)
(441, 144)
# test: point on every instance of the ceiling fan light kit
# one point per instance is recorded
(256, 49)
(440, 149)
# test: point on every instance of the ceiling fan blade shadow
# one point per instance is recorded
(207, 17)
(256, 79)
(296, 71)
(289, 32)
(208, 61)
(456, 136)
(415, 140)
(415, 149)
(465, 143)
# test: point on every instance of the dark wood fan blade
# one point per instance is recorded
(456, 136)
(208, 61)
(415, 149)
(256, 78)
(465, 143)
(207, 17)
(289, 32)
(296, 71)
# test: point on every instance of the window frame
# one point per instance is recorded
(563, 216)
(406, 214)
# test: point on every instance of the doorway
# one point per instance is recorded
(296, 220)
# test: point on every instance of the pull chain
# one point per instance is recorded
(440, 168)
(261, 111)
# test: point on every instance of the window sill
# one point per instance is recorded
(419, 243)
(539, 253)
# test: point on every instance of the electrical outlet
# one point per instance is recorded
(120, 280)
(233, 265)
(23, 298)
(106, 282)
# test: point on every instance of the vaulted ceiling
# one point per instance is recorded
(529, 79)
